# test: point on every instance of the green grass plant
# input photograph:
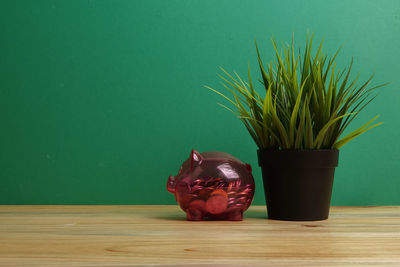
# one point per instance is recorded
(307, 103)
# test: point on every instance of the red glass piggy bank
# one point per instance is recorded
(213, 185)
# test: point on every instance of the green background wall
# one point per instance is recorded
(101, 100)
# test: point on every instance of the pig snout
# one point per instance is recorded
(171, 184)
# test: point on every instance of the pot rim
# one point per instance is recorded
(288, 150)
(311, 158)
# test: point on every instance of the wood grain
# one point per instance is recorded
(160, 236)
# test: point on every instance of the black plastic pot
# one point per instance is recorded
(298, 183)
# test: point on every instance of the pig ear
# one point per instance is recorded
(195, 159)
(248, 167)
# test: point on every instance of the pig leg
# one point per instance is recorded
(236, 215)
(195, 211)
(193, 214)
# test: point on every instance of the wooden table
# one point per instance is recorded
(160, 235)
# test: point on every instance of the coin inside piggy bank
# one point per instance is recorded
(213, 185)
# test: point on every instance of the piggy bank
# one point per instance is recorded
(213, 185)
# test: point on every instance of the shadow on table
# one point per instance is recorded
(249, 214)
(171, 217)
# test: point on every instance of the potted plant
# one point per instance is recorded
(298, 124)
